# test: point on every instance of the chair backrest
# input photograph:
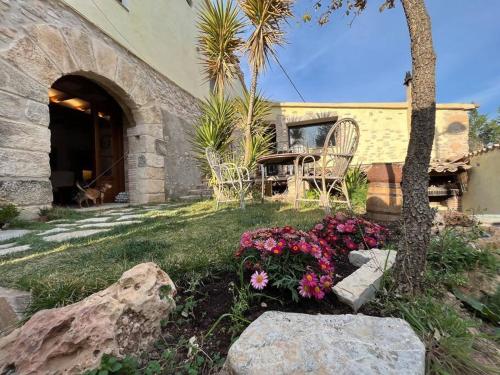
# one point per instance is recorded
(214, 161)
(340, 145)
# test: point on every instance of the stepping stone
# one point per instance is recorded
(12, 233)
(57, 221)
(53, 230)
(71, 235)
(10, 244)
(14, 249)
(94, 220)
(18, 299)
(360, 257)
(128, 217)
(361, 286)
(110, 225)
(66, 225)
(289, 343)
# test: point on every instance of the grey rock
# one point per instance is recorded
(380, 257)
(6, 245)
(94, 220)
(288, 343)
(53, 231)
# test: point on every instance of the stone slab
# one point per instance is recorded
(15, 249)
(69, 225)
(8, 318)
(110, 225)
(17, 299)
(382, 258)
(53, 231)
(128, 217)
(12, 233)
(282, 343)
(94, 220)
(6, 245)
(66, 236)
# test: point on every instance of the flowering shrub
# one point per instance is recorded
(344, 234)
(290, 259)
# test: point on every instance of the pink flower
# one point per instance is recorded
(304, 246)
(305, 290)
(295, 247)
(349, 228)
(325, 265)
(259, 245)
(318, 293)
(315, 251)
(341, 228)
(281, 243)
(269, 244)
(326, 282)
(259, 280)
(277, 250)
(246, 240)
(309, 279)
(351, 245)
(371, 242)
(319, 226)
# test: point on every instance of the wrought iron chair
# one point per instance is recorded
(231, 182)
(327, 175)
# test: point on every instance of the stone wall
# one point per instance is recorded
(384, 128)
(43, 40)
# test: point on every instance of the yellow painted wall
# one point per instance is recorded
(384, 128)
(483, 193)
(160, 32)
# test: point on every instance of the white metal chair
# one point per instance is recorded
(327, 175)
(231, 182)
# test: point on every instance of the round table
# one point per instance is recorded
(285, 158)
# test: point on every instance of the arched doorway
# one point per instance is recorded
(86, 126)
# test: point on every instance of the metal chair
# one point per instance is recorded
(231, 182)
(327, 175)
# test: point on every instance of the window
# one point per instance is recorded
(310, 134)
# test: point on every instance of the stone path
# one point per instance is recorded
(14, 249)
(12, 233)
(65, 236)
(67, 229)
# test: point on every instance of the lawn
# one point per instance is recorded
(181, 239)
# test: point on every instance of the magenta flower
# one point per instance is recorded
(259, 280)
(371, 242)
(325, 265)
(319, 226)
(310, 279)
(341, 228)
(259, 245)
(318, 293)
(246, 240)
(326, 282)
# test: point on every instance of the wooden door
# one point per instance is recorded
(108, 137)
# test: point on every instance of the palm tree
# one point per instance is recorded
(219, 42)
(266, 18)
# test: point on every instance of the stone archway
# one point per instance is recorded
(37, 57)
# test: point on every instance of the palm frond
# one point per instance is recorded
(214, 129)
(261, 111)
(267, 18)
(219, 41)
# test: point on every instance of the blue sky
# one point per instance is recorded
(366, 62)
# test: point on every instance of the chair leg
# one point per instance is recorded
(242, 200)
(346, 194)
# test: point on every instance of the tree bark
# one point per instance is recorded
(416, 214)
(248, 125)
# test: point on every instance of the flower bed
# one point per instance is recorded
(304, 262)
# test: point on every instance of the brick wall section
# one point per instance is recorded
(384, 130)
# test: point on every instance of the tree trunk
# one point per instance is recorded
(248, 125)
(417, 215)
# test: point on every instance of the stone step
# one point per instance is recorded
(14, 249)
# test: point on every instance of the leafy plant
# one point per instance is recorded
(8, 212)
(355, 178)
(214, 129)
(112, 365)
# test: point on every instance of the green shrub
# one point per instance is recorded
(8, 212)
(451, 255)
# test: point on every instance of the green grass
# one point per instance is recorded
(181, 240)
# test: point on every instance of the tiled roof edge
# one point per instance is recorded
(484, 150)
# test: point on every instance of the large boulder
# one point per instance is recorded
(288, 343)
(123, 319)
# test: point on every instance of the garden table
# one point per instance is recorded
(283, 158)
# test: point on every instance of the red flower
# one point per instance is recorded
(371, 242)
(277, 250)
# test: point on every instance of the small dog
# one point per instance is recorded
(84, 195)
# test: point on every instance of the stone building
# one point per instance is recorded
(87, 86)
